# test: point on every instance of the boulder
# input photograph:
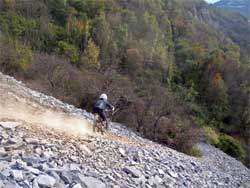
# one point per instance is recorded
(85, 150)
(66, 177)
(9, 124)
(133, 171)
(46, 181)
(91, 182)
(17, 175)
(122, 152)
(31, 141)
(78, 185)
(2, 151)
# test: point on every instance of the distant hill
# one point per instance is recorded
(240, 6)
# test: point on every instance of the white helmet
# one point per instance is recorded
(103, 96)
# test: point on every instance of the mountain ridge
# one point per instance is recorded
(238, 6)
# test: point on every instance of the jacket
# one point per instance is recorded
(102, 104)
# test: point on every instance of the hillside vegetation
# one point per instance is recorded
(167, 66)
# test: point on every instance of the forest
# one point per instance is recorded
(177, 70)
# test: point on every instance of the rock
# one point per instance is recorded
(33, 170)
(85, 149)
(66, 177)
(18, 164)
(31, 160)
(35, 184)
(11, 147)
(9, 124)
(38, 150)
(173, 174)
(17, 175)
(78, 185)
(46, 181)
(11, 185)
(31, 141)
(48, 154)
(122, 152)
(91, 182)
(74, 167)
(60, 185)
(2, 151)
(4, 174)
(55, 175)
(133, 171)
(161, 172)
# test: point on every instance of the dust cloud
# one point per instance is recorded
(21, 109)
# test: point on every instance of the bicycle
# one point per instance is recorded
(99, 124)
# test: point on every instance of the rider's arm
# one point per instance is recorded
(111, 107)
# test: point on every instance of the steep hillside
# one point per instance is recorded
(175, 69)
(32, 156)
(240, 6)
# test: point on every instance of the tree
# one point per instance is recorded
(90, 57)
(69, 51)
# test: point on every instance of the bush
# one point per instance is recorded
(194, 151)
(212, 137)
(231, 146)
(69, 51)
(181, 135)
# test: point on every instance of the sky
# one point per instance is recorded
(211, 1)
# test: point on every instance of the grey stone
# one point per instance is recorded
(173, 174)
(74, 167)
(48, 154)
(4, 174)
(78, 185)
(35, 184)
(31, 160)
(161, 172)
(91, 182)
(66, 177)
(38, 150)
(11, 185)
(33, 170)
(2, 151)
(15, 140)
(60, 185)
(46, 181)
(17, 175)
(55, 175)
(85, 149)
(122, 152)
(133, 171)
(9, 124)
(31, 141)
(18, 164)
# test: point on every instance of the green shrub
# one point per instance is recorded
(211, 135)
(69, 51)
(231, 146)
(194, 151)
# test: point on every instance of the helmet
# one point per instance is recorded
(103, 96)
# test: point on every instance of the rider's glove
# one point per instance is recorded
(113, 108)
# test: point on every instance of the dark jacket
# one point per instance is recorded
(102, 104)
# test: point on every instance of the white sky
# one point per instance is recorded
(211, 1)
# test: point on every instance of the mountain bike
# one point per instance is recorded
(99, 124)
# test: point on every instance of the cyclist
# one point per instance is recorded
(101, 105)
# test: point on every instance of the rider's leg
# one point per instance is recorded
(104, 118)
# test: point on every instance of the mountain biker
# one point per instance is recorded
(101, 105)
